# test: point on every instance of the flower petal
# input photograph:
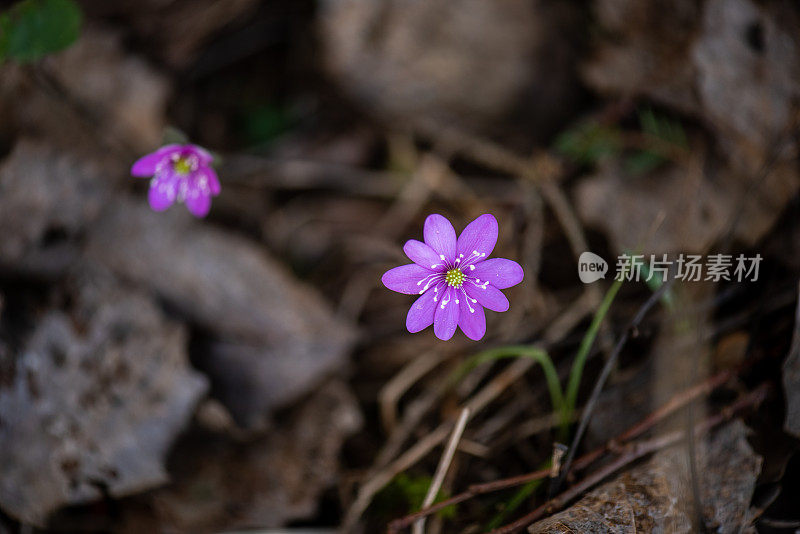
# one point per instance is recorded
(198, 204)
(202, 154)
(163, 191)
(420, 315)
(487, 295)
(423, 255)
(500, 272)
(147, 165)
(410, 279)
(471, 319)
(445, 321)
(211, 179)
(479, 236)
(440, 236)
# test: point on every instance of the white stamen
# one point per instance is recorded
(473, 258)
(430, 279)
(471, 309)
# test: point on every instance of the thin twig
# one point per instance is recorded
(390, 394)
(632, 454)
(296, 174)
(372, 486)
(543, 170)
(417, 409)
(677, 402)
(543, 423)
(441, 469)
(598, 387)
(780, 523)
(674, 404)
(425, 179)
(565, 322)
(691, 449)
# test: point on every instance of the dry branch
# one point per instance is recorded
(674, 404)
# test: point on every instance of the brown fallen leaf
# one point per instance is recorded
(104, 95)
(733, 63)
(656, 496)
(264, 483)
(97, 397)
(175, 30)
(629, 57)
(735, 66)
(490, 57)
(47, 198)
(696, 205)
(731, 350)
(273, 337)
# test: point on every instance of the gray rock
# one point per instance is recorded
(98, 396)
(656, 497)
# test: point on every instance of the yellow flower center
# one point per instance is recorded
(182, 166)
(454, 277)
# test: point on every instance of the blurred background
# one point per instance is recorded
(160, 373)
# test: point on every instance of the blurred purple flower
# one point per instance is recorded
(455, 279)
(180, 173)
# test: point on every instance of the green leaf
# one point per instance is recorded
(31, 29)
(5, 25)
(265, 122)
(659, 127)
(518, 499)
(643, 162)
(588, 142)
(662, 127)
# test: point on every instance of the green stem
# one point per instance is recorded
(519, 497)
(583, 353)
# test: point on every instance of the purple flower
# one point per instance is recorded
(455, 279)
(180, 173)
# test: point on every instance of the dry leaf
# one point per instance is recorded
(267, 482)
(275, 338)
(97, 398)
